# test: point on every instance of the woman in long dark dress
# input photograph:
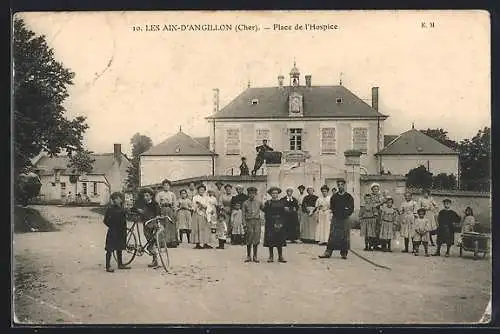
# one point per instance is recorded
(274, 231)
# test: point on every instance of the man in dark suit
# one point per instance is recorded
(259, 160)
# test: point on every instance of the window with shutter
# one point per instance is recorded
(260, 135)
(328, 141)
(232, 141)
(360, 139)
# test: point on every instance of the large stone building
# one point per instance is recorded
(311, 125)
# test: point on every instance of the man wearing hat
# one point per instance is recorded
(291, 216)
(447, 218)
(342, 206)
(259, 160)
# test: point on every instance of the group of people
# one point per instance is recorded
(207, 218)
(417, 221)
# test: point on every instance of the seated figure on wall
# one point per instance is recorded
(263, 155)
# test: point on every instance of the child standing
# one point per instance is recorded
(408, 213)
(237, 225)
(251, 213)
(184, 215)
(469, 222)
(388, 219)
(447, 218)
(368, 222)
(221, 229)
(428, 203)
(115, 219)
(422, 228)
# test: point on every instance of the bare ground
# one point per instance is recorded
(60, 278)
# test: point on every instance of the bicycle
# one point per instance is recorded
(134, 249)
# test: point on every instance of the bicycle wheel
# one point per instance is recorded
(128, 255)
(161, 248)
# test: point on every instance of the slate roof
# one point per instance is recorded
(205, 141)
(180, 144)
(414, 142)
(102, 164)
(319, 102)
(388, 139)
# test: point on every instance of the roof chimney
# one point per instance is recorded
(375, 98)
(308, 80)
(280, 80)
(117, 152)
(216, 100)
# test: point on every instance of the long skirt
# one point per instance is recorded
(309, 227)
(274, 233)
(386, 230)
(323, 228)
(445, 235)
(301, 217)
(184, 219)
(292, 226)
(201, 229)
(432, 220)
(340, 235)
(368, 227)
(406, 224)
(116, 238)
(169, 232)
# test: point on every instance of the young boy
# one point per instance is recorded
(149, 209)
(115, 219)
(422, 228)
(445, 230)
(251, 213)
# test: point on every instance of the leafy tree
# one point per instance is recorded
(441, 136)
(475, 161)
(419, 177)
(27, 187)
(140, 144)
(444, 181)
(81, 162)
(40, 88)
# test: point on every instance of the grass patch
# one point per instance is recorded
(26, 219)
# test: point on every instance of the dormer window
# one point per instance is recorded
(340, 100)
(255, 101)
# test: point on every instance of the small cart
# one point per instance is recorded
(474, 242)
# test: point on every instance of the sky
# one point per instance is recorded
(153, 82)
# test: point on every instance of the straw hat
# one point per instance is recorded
(273, 189)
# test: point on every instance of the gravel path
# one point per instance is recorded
(60, 278)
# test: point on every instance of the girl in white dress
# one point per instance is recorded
(408, 213)
(427, 202)
(324, 216)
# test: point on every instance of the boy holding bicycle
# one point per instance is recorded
(149, 210)
(115, 219)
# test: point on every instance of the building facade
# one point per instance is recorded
(311, 125)
(59, 183)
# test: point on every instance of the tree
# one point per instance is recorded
(475, 170)
(140, 144)
(419, 177)
(40, 88)
(27, 187)
(441, 136)
(81, 162)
